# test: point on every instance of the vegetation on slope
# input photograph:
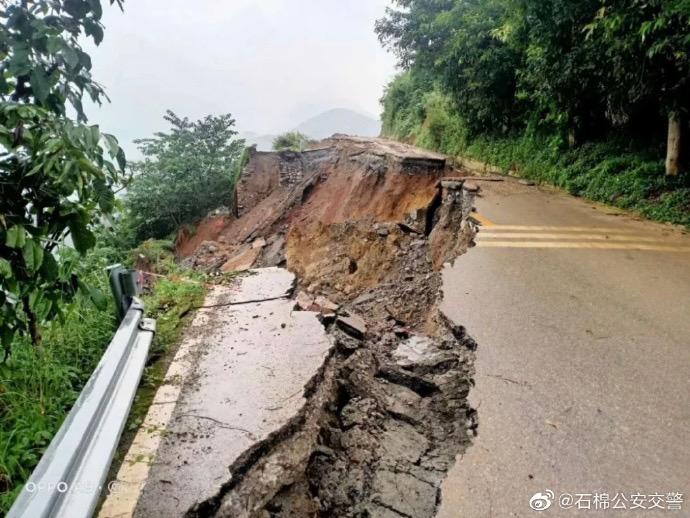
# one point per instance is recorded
(291, 141)
(582, 94)
(61, 222)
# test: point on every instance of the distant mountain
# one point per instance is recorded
(324, 125)
(340, 120)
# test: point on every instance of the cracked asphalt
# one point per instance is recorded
(582, 316)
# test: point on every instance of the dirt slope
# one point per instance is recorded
(366, 225)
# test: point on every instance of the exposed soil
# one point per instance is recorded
(366, 225)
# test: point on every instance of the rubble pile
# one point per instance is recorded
(366, 225)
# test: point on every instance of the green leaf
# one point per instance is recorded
(106, 198)
(94, 30)
(5, 268)
(40, 84)
(70, 55)
(16, 237)
(111, 144)
(49, 268)
(20, 63)
(76, 8)
(33, 255)
(95, 135)
(82, 237)
(98, 298)
(121, 160)
(84, 59)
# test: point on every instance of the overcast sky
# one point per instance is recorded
(271, 63)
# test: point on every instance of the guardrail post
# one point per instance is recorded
(125, 285)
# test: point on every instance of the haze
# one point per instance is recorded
(272, 64)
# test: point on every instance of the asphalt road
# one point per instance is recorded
(582, 316)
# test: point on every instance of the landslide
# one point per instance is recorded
(366, 225)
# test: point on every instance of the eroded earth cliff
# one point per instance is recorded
(366, 226)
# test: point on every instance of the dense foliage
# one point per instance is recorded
(552, 74)
(57, 176)
(186, 173)
(291, 141)
(38, 386)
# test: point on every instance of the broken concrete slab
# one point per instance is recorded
(353, 325)
(415, 349)
(364, 298)
(452, 183)
(266, 283)
(304, 301)
(471, 187)
(404, 494)
(250, 370)
(401, 442)
(274, 254)
(326, 305)
(242, 261)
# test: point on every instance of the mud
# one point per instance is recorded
(366, 225)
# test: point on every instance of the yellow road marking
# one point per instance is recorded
(583, 245)
(483, 220)
(530, 235)
(528, 228)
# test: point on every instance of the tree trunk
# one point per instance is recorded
(673, 145)
(572, 138)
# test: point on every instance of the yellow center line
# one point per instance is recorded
(488, 234)
(536, 228)
(582, 245)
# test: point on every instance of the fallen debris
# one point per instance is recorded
(366, 225)
(353, 325)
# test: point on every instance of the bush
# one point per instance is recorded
(291, 141)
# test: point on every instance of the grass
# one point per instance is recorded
(605, 172)
(170, 304)
(38, 386)
(170, 300)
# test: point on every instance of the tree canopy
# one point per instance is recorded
(57, 176)
(185, 173)
(577, 69)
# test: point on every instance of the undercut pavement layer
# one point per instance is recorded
(251, 363)
(361, 411)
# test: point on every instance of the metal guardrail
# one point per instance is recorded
(71, 475)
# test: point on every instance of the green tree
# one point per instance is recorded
(57, 177)
(291, 141)
(560, 78)
(471, 47)
(647, 49)
(185, 173)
